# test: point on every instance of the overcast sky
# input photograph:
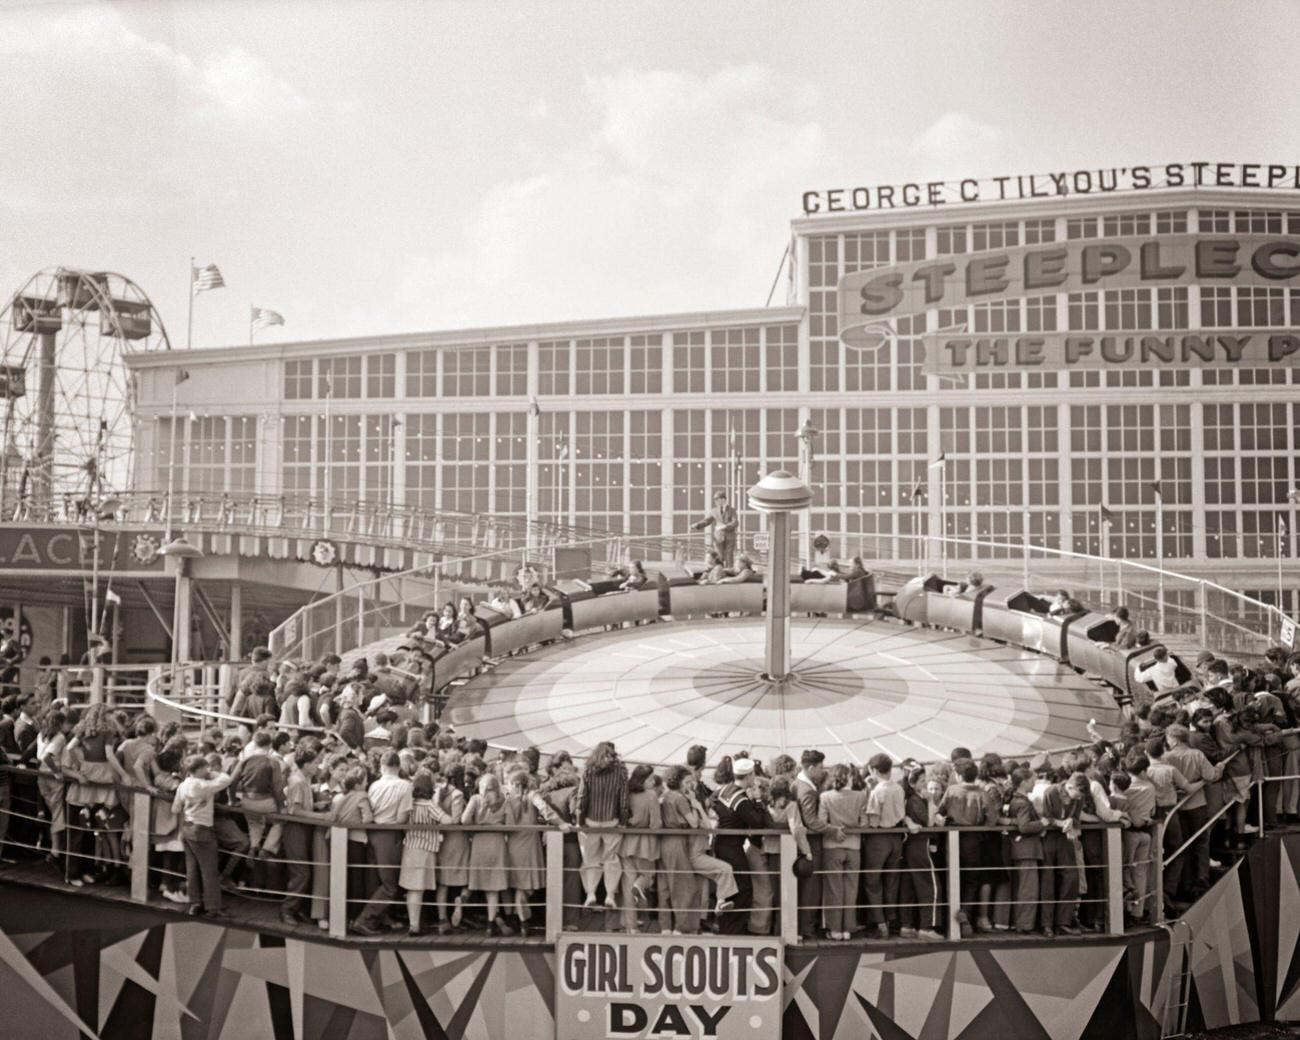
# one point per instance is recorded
(369, 167)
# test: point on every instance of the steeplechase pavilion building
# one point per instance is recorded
(1007, 369)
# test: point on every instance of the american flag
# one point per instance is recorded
(262, 317)
(204, 278)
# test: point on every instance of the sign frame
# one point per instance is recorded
(620, 986)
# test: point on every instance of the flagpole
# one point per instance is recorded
(325, 490)
(1105, 555)
(943, 516)
(189, 324)
(171, 466)
(251, 312)
(1160, 558)
(1281, 537)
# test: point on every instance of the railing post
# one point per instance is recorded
(1114, 881)
(1263, 793)
(153, 681)
(141, 820)
(1156, 880)
(225, 686)
(361, 615)
(1202, 596)
(338, 895)
(954, 885)
(554, 841)
(97, 684)
(789, 892)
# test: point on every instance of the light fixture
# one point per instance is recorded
(181, 549)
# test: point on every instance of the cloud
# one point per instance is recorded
(242, 85)
(957, 144)
(674, 195)
(107, 119)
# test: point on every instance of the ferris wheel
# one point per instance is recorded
(67, 396)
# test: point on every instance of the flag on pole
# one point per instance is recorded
(1107, 517)
(534, 409)
(182, 374)
(938, 463)
(1281, 536)
(1155, 486)
(262, 317)
(112, 597)
(918, 492)
(204, 278)
(563, 452)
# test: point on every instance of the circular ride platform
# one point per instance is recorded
(859, 686)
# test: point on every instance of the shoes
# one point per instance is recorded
(1048, 933)
(292, 920)
(611, 903)
(216, 915)
(983, 924)
(365, 928)
(928, 935)
(444, 927)
(907, 933)
(457, 912)
(414, 933)
(1250, 828)
(587, 904)
(196, 910)
(1069, 929)
(963, 922)
(637, 894)
(881, 931)
(723, 906)
(499, 927)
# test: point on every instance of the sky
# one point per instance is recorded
(367, 166)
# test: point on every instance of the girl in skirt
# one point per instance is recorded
(453, 853)
(95, 768)
(420, 850)
(525, 862)
(50, 744)
(487, 853)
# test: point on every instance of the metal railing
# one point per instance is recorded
(305, 517)
(793, 904)
(382, 607)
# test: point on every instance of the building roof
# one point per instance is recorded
(489, 336)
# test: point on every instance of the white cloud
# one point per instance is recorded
(679, 180)
(107, 119)
(958, 145)
(242, 85)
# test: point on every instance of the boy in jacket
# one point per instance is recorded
(1026, 853)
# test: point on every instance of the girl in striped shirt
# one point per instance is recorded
(419, 852)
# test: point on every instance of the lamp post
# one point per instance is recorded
(181, 551)
(778, 495)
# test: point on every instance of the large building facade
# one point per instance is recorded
(638, 421)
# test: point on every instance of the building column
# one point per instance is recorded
(236, 620)
(776, 658)
(1065, 472)
(181, 612)
(532, 475)
(935, 485)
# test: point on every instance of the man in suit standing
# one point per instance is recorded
(807, 792)
(724, 521)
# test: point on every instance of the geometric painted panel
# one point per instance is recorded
(116, 972)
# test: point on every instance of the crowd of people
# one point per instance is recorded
(446, 833)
